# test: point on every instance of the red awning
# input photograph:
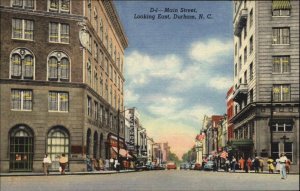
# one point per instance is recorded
(122, 152)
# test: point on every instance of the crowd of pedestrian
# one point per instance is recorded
(257, 164)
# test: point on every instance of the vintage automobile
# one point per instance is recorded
(209, 165)
(197, 166)
(171, 165)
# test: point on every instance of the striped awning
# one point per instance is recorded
(281, 5)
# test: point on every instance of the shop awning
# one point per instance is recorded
(281, 5)
(242, 142)
(122, 152)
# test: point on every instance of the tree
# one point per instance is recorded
(173, 157)
(190, 156)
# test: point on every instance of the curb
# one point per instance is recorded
(67, 173)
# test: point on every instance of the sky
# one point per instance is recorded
(177, 70)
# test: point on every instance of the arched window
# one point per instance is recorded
(95, 149)
(57, 144)
(58, 66)
(88, 142)
(21, 64)
(21, 148)
(101, 145)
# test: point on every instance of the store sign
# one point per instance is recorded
(130, 145)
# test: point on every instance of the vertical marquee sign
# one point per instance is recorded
(130, 146)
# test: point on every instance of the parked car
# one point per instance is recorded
(159, 167)
(150, 166)
(184, 166)
(197, 166)
(209, 165)
(192, 166)
(171, 165)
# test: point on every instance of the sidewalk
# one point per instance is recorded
(252, 171)
(67, 173)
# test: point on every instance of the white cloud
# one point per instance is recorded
(220, 83)
(131, 97)
(142, 67)
(211, 51)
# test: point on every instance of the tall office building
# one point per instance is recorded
(266, 79)
(61, 82)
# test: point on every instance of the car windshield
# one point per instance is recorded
(210, 162)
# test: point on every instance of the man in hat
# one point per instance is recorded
(282, 161)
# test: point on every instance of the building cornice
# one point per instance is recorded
(116, 22)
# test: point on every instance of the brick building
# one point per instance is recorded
(61, 82)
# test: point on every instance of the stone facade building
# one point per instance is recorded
(61, 82)
(266, 79)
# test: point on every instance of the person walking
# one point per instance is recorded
(111, 163)
(46, 164)
(270, 162)
(277, 165)
(288, 166)
(233, 163)
(261, 164)
(282, 161)
(227, 163)
(63, 161)
(249, 164)
(242, 163)
(256, 164)
(106, 164)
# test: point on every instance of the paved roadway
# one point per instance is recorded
(152, 180)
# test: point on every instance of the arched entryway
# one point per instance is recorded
(95, 145)
(21, 148)
(58, 143)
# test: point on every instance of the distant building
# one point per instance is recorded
(61, 82)
(266, 79)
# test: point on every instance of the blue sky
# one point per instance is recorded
(177, 71)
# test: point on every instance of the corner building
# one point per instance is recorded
(61, 82)
(266, 79)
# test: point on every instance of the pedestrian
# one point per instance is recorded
(270, 162)
(101, 164)
(242, 163)
(46, 164)
(256, 164)
(63, 161)
(233, 163)
(249, 164)
(277, 165)
(111, 163)
(288, 166)
(116, 163)
(106, 164)
(282, 161)
(261, 164)
(227, 163)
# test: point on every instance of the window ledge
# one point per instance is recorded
(281, 16)
(54, 111)
(20, 110)
(22, 39)
(58, 42)
(281, 44)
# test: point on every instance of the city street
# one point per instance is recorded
(152, 180)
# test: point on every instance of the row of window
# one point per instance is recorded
(21, 100)
(62, 6)
(23, 29)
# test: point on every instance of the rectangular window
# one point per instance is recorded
(288, 149)
(251, 18)
(59, 32)
(251, 45)
(282, 127)
(22, 29)
(245, 77)
(281, 7)
(27, 4)
(96, 114)
(245, 55)
(251, 71)
(58, 101)
(251, 95)
(21, 100)
(275, 150)
(89, 106)
(281, 93)
(95, 50)
(235, 49)
(235, 70)
(281, 35)
(245, 31)
(240, 63)
(281, 64)
(59, 6)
